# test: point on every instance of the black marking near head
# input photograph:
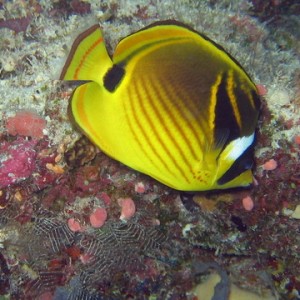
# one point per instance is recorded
(240, 165)
(113, 77)
(248, 104)
(256, 99)
(224, 114)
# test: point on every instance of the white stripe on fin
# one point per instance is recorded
(238, 147)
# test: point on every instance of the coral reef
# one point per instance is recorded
(74, 224)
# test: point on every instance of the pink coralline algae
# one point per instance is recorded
(140, 188)
(17, 161)
(98, 217)
(26, 123)
(74, 225)
(127, 208)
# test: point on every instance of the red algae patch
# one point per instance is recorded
(26, 123)
(127, 208)
(98, 217)
(17, 161)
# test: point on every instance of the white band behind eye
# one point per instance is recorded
(238, 147)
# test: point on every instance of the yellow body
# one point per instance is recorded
(170, 104)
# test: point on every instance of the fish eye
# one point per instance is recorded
(240, 165)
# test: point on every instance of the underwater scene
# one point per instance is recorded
(150, 150)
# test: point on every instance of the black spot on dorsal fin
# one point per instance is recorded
(113, 77)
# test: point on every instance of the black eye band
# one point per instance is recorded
(243, 163)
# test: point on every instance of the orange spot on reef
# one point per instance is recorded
(248, 203)
(270, 165)
(297, 139)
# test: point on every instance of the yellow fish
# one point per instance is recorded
(170, 103)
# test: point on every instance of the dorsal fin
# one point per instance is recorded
(88, 58)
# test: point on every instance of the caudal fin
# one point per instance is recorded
(88, 58)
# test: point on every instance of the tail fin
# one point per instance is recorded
(88, 58)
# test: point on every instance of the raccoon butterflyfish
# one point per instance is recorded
(170, 103)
